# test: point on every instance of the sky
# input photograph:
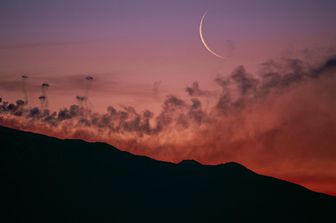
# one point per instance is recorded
(140, 53)
(134, 44)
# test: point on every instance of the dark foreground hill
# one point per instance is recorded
(45, 179)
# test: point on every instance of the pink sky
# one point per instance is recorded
(127, 46)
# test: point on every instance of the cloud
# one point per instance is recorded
(103, 83)
(279, 121)
(195, 91)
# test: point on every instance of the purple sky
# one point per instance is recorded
(131, 44)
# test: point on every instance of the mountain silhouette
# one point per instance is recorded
(45, 179)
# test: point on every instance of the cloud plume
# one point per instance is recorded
(279, 121)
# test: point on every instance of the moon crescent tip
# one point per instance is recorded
(203, 39)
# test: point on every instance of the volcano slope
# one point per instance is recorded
(45, 179)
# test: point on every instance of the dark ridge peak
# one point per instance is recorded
(189, 163)
(234, 164)
(235, 167)
(196, 163)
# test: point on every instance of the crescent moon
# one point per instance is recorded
(203, 40)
